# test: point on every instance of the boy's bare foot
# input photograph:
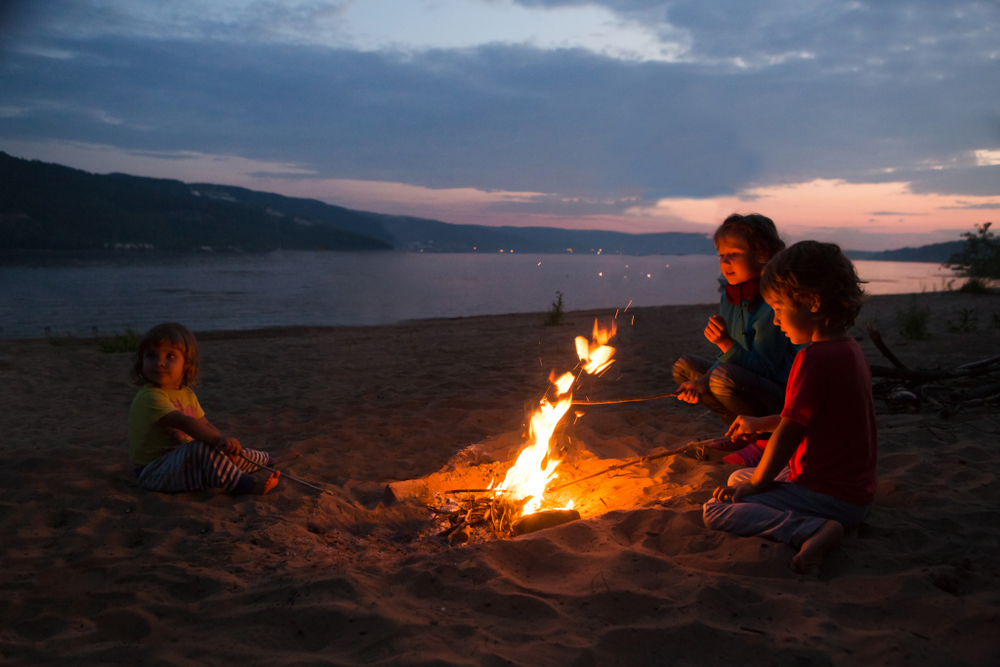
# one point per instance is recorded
(810, 556)
(282, 457)
(261, 487)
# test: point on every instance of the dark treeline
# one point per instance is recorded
(51, 207)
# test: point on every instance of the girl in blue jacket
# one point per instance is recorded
(755, 357)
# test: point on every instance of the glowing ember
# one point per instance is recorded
(535, 468)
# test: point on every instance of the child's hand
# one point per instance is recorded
(744, 425)
(691, 391)
(735, 493)
(230, 446)
(717, 333)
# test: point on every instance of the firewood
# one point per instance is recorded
(876, 337)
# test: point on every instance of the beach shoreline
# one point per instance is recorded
(95, 571)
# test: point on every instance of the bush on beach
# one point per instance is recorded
(555, 315)
(913, 321)
(124, 342)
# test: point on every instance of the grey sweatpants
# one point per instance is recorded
(785, 512)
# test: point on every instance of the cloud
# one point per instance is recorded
(761, 95)
(895, 213)
(575, 207)
(972, 207)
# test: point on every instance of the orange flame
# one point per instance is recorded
(535, 468)
(596, 353)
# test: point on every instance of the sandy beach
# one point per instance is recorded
(95, 571)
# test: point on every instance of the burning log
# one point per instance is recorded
(541, 520)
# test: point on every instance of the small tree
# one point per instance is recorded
(980, 259)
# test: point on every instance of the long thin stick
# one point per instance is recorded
(612, 468)
(626, 400)
(876, 337)
(630, 463)
(286, 475)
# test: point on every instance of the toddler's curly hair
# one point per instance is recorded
(177, 335)
(815, 268)
(756, 230)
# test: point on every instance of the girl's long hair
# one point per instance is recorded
(177, 335)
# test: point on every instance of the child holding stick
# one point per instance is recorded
(172, 446)
(755, 357)
(826, 432)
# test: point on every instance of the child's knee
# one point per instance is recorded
(721, 381)
(685, 368)
(711, 511)
(740, 476)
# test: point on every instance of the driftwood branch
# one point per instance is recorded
(900, 371)
(876, 337)
(930, 375)
(980, 363)
(959, 399)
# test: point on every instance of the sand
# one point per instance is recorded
(95, 571)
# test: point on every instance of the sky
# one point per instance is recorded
(875, 125)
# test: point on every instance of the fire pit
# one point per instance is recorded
(537, 491)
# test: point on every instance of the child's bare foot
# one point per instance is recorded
(810, 556)
(282, 457)
(261, 487)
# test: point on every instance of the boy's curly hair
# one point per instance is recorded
(177, 335)
(756, 230)
(814, 268)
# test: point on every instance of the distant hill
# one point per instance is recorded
(434, 236)
(51, 207)
(47, 207)
(935, 252)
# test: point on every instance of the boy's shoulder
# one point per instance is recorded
(841, 353)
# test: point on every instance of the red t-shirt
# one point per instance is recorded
(830, 393)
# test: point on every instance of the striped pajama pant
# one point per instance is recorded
(196, 466)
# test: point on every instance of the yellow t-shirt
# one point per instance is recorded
(147, 441)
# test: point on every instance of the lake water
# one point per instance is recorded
(206, 292)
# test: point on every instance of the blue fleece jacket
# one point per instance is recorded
(760, 346)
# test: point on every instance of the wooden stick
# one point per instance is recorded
(981, 362)
(921, 375)
(286, 475)
(644, 459)
(876, 337)
(472, 491)
(626, 400)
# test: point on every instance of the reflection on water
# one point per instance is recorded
(115, 292)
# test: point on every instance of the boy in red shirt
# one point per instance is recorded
(826, 432)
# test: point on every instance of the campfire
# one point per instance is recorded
(534, 491)
(506, 506)
(535, 467)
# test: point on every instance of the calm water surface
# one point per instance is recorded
(208, 291)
